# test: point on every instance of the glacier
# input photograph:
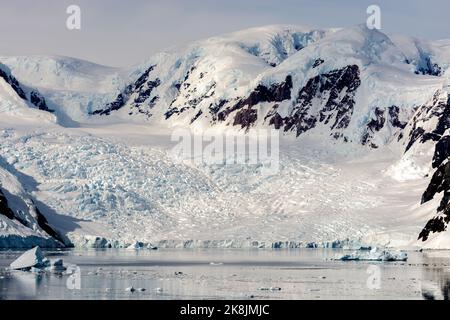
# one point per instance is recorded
(354, 107)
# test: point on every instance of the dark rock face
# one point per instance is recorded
(374, 125)
(35, 98)
(427, 67)
(318, 62)
(414, 136)
(43, 223)
(141, 89)
(336, 89)
(441, 151)
(245, 118)
(214, 109)
(188, 97)
(394, 118)
(9, 78)
(440, 182)
(275, 93)
(437, 109)
(6, 211)
(4, 208)
(39, 101)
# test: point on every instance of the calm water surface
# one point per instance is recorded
(229, 274)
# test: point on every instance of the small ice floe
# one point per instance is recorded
(57, 265)
(216, 263)
(130, 289)
(33, 258)
(270, 289)
(375, 255)
(136, 246)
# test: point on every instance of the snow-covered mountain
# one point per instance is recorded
(15, 90)
(72, 87)
(291, 79)
(348, 102)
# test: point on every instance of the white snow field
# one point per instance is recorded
(111, 179)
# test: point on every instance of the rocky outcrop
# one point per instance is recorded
(39, 101)
(190, 98)
(5, 210)
(31, 221)
(441, 151)
(427, 67)
(430, 124)
(423, 126)
(440, 182)
(336, 90)
(246, 116)
(318, 62)
(141, 90)
(394, 119)
(374, 125)
(12, 81)
(34, 97)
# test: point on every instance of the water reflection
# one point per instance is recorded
(436, 279)
(231, 274)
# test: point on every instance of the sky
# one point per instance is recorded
(126, 32)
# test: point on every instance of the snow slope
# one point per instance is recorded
(353, 106)
(219, 81)
(71, 86)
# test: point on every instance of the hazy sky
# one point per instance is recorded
(124, 32)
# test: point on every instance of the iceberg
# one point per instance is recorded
(33, 258)
(57, 266)
(375, 255)
(136, 246)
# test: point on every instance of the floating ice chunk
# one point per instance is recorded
(136, 246)
(270, 289)
(375, 255)
(57, 265)
(216, 263)
(130, 289)
(275, 289)
(31, 258)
